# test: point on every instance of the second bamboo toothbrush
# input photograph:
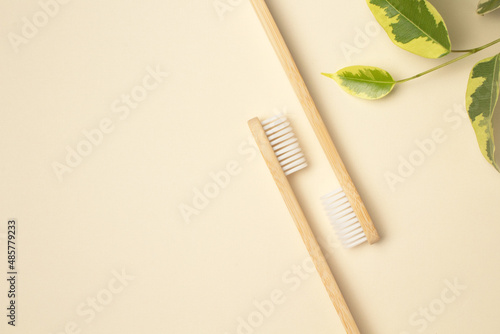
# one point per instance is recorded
(300, 88)
(283, 156)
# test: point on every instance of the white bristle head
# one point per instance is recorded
(343, 219)
(285, 145)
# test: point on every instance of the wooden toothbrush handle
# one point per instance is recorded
(303, 226)
(315, 119)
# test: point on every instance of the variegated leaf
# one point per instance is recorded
(413, 25)
(487, 6)
(366, 82)
(481, 99)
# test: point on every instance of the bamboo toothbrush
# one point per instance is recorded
(356, 228)
(283, 156)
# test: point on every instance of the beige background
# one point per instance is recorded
(119, 209)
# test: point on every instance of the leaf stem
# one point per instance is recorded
(468, 53)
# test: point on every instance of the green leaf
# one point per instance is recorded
(481, 99)
(487, 6)
(366, 82)
(413, 25)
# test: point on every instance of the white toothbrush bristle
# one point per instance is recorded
(285, 145)
(343, 219)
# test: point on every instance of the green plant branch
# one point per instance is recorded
(468, 53)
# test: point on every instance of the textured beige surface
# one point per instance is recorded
(119, 208)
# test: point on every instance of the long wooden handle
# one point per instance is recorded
(303, 226)
(314, 118)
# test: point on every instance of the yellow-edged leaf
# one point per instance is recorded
(366, 82)
(487, 6)
(481, 100)
(413, 25)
